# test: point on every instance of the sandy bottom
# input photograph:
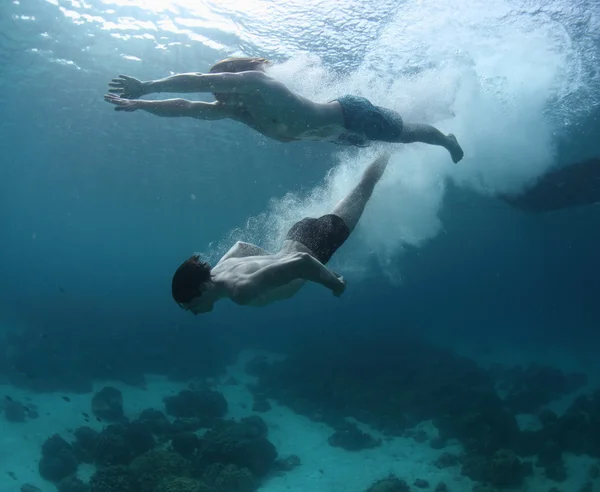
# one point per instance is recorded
(323, 467)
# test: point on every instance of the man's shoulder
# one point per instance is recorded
(255, 74)
(256, 77)
(262, 80)
(241, 249)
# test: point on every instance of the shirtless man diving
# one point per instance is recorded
(248, 275)
(245, 93)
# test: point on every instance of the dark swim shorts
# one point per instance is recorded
(323, 236)
(365, 122)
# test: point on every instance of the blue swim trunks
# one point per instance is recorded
(366, 122)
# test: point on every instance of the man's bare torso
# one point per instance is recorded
(280, 114)
(240, 262)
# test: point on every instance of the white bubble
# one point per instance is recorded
(466, 70)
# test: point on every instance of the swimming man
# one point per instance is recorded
(248, 275)
(245, 93)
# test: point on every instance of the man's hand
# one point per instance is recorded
(127, 87)
(122, 104)
(340, 288)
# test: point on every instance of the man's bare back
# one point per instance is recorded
(278, 113)
(269, 107)
(244, 259)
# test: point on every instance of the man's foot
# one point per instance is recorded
(456, 152)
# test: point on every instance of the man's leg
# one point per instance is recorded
(417, 132)
(351, 207)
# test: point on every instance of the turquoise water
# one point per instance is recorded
(101, 207)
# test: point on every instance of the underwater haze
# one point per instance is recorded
(106, 205)
(100, 207)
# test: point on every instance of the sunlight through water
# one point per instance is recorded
(506, 77)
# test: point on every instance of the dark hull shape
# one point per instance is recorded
(575, 185)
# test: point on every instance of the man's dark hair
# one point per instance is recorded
(237, 64)
(189, 279)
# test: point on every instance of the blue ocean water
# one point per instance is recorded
(99, 208)
(105, 205)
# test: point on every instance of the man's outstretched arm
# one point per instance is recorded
(171, 107)
(300, 266)
(241, 83)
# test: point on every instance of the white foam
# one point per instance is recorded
(483, 72)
